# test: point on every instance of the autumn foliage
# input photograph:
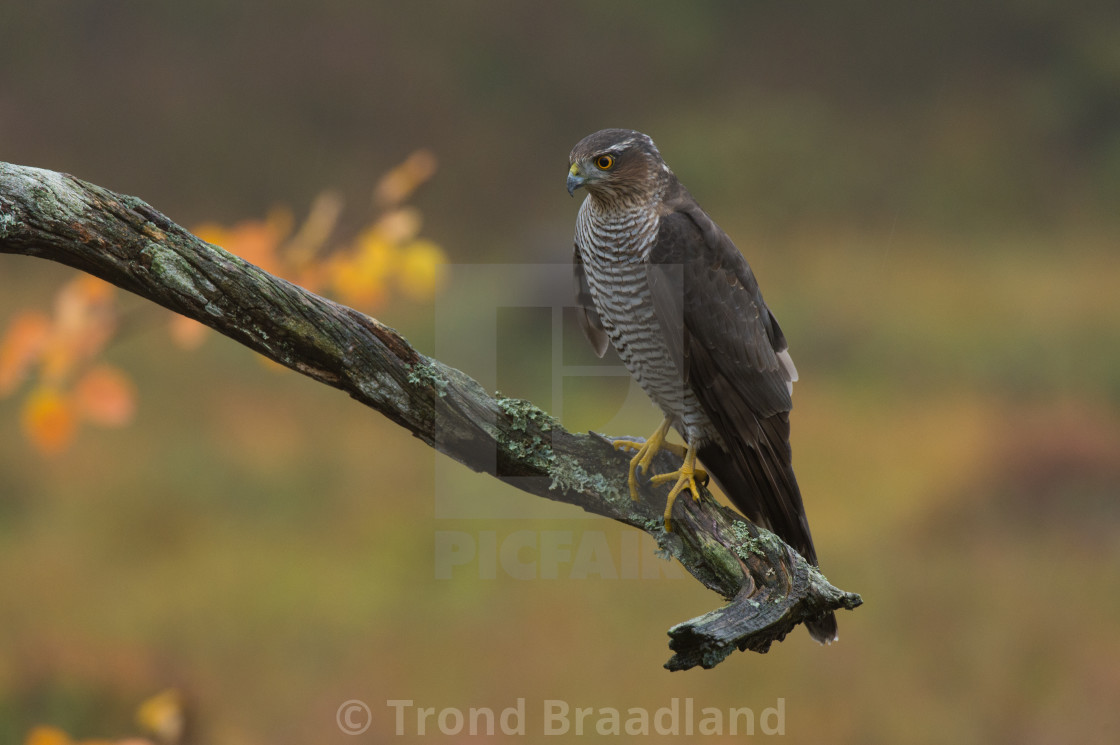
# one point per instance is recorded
(59, 354)
(161, 718)
(54, 358)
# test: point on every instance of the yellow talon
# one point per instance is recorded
(632, 478)
(686, 476)
(644, 455)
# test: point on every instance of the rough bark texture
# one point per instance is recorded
(123, 240)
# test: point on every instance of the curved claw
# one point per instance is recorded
(627, 444)
(643, 458)
(687, 476)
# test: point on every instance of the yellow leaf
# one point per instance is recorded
(162, 715)
(423, 270)
(49, 420)
(360, 277)
(105, 396)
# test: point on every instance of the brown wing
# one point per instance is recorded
(586, 313)
(732, 354)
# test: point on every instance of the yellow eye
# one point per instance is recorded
(603, 162)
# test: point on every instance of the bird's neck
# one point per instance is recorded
(626, 228)
(616, 204)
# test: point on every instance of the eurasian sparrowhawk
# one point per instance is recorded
(663, 284)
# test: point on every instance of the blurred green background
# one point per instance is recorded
(928, 193)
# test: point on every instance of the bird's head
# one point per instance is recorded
(616, 165)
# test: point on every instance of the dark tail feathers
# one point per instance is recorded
(765, 491)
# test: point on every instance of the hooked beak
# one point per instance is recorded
(575, 180)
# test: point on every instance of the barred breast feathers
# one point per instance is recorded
(616, 245)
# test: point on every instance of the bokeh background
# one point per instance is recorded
(928, 193)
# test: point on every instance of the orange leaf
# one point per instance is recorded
(24, 342)
(212, 232)
(49, 420)
(85, 321)
(44, 735)
(95, 291)
(256, 241)
(105, 396)
(187, 333)
(259, 241)
(81, 301)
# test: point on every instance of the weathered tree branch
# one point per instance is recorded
(126, 242)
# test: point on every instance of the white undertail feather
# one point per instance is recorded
(788, 367)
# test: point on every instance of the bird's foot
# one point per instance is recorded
(679, 450)
(644, 455)
(687, 476)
